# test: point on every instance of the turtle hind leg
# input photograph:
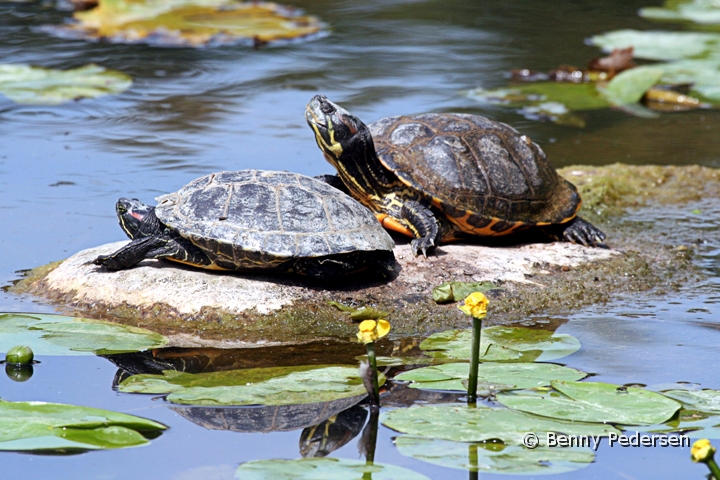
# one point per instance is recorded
(424, 225)
(579, 230)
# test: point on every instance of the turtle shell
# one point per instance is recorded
(485, 176)
(260, 219)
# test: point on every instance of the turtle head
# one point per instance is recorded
(134, 217)
(339, 134)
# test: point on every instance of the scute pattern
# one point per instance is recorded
(487, 178)
(253, 217)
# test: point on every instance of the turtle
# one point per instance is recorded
(255, 220)
(444, 177)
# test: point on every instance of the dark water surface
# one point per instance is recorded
(191, 112)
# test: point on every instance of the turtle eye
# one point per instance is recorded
(326, 107)
(121, 209)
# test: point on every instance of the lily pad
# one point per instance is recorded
(502, 344)
(189, 23)
(574, 96)
(662, 45)
(691, 423)
(491, 376)
(629, 86)
(460, 423)
(253, 386)
(494, 457)
(704, 400)
(327, 468)
(358, 314)
(40, 426)
(456, 291)
(703, 12)
(46, 86)
(594, 402)
(62, 335)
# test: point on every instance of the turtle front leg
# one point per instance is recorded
(424, 226)
(129, 255)
(153, 247)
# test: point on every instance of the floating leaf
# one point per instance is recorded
(691, 423)
(494, 457)
(45, 86)
(704, 12)
(62, 335)
(189, 23)
(629, 86)
(511, 344)
(661, 45)
(253, 386)
(456, 291)
(69, 428)
(460, 423)
(594, 402)
(574, 96)
(322, 468)
(491, 376)
(704, 400)
(360, 313)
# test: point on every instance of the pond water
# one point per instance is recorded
(191, 112)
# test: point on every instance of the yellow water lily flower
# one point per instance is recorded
(702, 450)
(370, 330)
(475, 305)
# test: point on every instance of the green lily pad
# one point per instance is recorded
(460, 423)
(40, 426)
(629, 86)
(253, 386)
(574, 96)
(189, 23)
(594, 402)
(704, 400)
(358, 314)
(691, 423)
(46, 86)
(661, 45)
(502, 344)
(491, 376)
(456, 291)
(703, 12)
(62, 335)
(494, 457)
(327, 468)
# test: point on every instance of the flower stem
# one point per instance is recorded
(474, 360)
(373, 371)
(710, 462)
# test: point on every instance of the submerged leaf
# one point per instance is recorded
(491, 376)
(594, 402)
(189, 23)
(358, 314)
(691, 423)
(574, 96)
(45, 86)
(59, 427)
(460, 423)
(704, 400)
(322, 468)
(455, 291)
(62, 335)
(253, 386)
(502, 344)
(494, 457)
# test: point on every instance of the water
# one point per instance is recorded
(191, 112)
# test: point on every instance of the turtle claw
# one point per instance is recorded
(583, 232)
(422, 245)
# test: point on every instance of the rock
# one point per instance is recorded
(197, 307)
